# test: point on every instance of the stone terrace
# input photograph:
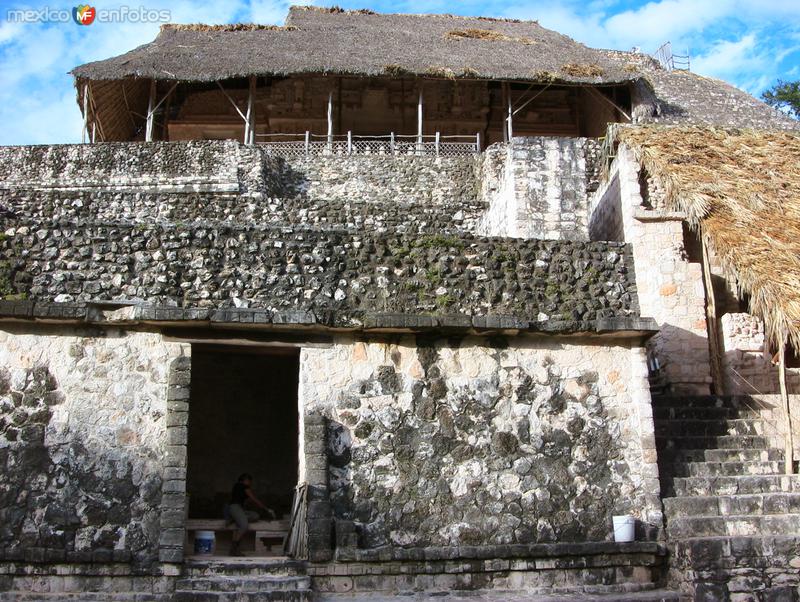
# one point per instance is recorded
(217, 225)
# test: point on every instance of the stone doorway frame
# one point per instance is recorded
(312, 454)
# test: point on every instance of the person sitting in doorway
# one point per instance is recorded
(241, 492)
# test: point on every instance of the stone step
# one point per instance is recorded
(226, 566)
(707, 442)
(726, 552)
(723, 505)
(673, 455)
(727, 469)
(238, 583)
(733, 525)
(711, 428)
(22, 596)
(214, 596)
(652, 595)
(704, 413)
(687, 486)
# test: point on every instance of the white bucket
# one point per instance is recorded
(204, 542)
(624, 528)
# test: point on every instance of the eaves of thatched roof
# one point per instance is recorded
(741, 190)
(362, 43)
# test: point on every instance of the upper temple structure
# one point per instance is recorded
(473, 306)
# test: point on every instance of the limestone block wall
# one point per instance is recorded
(341, 276)
(464, 443)
(670, 287)
(538, 188)
(747, 367)
(83, 442)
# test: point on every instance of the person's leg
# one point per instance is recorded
(240, 518)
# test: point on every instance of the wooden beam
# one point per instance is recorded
(510, 117)
(250, 120)
(506, 101)
(148, 132)
(419, 118)
(330, 119)
(714, 346)
(789, 436)
(85, 133)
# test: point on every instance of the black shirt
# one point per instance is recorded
(239, 493)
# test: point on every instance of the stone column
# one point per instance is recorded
(318, 519)
(173, 499)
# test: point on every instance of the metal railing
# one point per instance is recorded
(308, 144)
(670, 61)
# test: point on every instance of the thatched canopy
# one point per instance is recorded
(322, 40)
(741, 190)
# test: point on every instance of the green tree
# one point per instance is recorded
(785, 96)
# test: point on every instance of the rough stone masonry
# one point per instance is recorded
(475, 395)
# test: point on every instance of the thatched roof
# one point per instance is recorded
(317, 40)
(741, 190)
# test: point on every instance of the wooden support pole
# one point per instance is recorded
(504, 89)
(349, 142)
(308, 142)
(510, 118)
(789, 436)
(249, 127)
(151, 109)
(714, 346)
(419, 122)
(330, 119)
(85, 133)
(478, 142)
(437, 144)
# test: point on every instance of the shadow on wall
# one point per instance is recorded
(64, 501)
(679, 352)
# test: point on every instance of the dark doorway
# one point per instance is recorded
(242, 418)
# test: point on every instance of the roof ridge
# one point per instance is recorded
(337, 10)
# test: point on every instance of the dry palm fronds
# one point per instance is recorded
(741, 190)
(229, 27)
(544, 76)
(485, 34)
(443, 72)
(582, 69)
(396, 70)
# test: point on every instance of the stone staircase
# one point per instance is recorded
(243, 580)
(733, 517)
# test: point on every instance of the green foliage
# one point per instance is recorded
(7, 289)
(439, 241)
(445, 301)
(785, 96)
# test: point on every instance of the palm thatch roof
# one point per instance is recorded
(323, 40)
(741, 190)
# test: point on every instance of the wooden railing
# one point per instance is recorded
(308, 144)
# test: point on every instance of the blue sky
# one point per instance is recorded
(750, 43)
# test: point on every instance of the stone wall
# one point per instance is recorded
(464, 443)
(747, 367)
(538, 188)
(83, 421)
(339, 274)
(669, 285)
